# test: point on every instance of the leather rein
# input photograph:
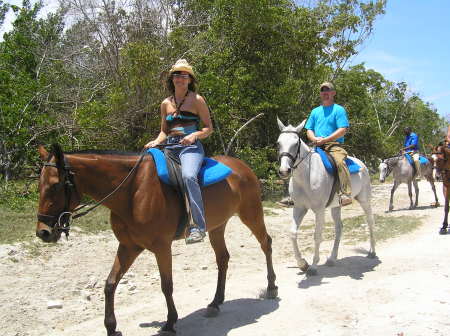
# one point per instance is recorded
(61, 223)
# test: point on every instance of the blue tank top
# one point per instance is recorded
(183, 122)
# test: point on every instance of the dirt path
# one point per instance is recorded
(404, 292)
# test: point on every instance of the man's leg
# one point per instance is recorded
(339, 155)
(416, 158)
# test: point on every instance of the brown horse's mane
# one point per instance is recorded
(103, 152)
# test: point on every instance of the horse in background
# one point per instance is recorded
(441, 156)
(403, 172)
(311, 187)
(145, 214)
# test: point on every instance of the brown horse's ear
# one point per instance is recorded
(59, 155)
(43, 154)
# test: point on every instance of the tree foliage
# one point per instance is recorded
(92, 75)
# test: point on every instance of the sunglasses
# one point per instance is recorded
(325, 89)
(178, 75)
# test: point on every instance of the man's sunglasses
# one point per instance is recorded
(325, 89)
(178, 75)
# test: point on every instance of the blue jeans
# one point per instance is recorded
(191, 158)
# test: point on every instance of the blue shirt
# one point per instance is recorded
(325, 120)
(412, 139)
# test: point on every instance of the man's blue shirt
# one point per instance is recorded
(325, 120)
(412, 139)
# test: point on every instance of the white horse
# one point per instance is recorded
(403, 172)
(310, 187)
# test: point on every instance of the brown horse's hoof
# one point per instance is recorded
(211, 311)
(167, 333)
(443, 231)
(116, 333)
(268, 293)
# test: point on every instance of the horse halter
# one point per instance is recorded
(61, 222)
(293, 158)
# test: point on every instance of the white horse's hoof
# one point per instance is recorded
(330, 262)
(303, 265)
(371, 255)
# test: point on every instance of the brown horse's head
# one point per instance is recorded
(441, 156)
(57, 195)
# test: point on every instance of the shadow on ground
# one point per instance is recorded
(354, 267)
(233, 314)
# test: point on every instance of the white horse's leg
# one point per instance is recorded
(336, 215)
(391, 201)
(411, 204)
(365, 205)
(416, 190)
(297, 216)
(320, 220)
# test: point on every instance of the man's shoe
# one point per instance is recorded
(195, 236)
(287, 201)
(345, 200)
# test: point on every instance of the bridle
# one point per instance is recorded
(61, 222)
(390, 164)
(294, 158)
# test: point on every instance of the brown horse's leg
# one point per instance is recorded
(164, 259)
(443, 229)
(217, 241)
(251, 214)
(124, 259)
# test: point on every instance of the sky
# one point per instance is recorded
(409, 44)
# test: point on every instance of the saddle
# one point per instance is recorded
(330, 166)
(422, 159)
(168, 168)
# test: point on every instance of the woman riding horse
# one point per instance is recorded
(180, 116)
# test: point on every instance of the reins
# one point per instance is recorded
(62, 221)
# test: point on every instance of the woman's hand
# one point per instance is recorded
(151, 144)
(188, 139)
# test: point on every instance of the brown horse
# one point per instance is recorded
(145, 214)
(441, 158)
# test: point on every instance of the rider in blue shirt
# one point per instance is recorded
(411, 146)
(326, 127)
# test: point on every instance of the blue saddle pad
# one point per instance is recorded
(422, 159)
(211, 172)
(353, 167)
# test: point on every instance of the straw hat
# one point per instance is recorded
(182, 65)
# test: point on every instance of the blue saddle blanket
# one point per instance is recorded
(422, 159)
(211, 172)
(353, 167)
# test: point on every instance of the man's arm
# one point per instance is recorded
(319, 141)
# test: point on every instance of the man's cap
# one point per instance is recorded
(328, 85)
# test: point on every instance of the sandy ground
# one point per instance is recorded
(404, 292)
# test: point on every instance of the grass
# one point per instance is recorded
(356, 228)
(19, 201)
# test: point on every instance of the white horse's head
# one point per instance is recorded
(288, 147)
(383, 167)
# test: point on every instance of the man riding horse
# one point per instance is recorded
(411, 147)
(326, 127)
